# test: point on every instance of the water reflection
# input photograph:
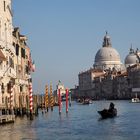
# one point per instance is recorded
(82, 122)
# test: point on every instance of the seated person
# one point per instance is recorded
(112, 109)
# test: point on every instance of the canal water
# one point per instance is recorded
(81, 123)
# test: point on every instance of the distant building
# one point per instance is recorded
(134, 79)
(62, 89)
(87, 82)
(109, 78)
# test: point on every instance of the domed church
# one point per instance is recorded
(132, 58)
(107, 57)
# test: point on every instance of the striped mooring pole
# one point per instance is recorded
(51, 98)
(67, 100)
(11, 98)
(47, 98)
(59, 101)
(31, 100)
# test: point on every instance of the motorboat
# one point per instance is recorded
(87, 101)
(84, 101)
(135, 99)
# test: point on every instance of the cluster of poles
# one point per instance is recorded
(60, 101)
(30, 99)
(49, 99)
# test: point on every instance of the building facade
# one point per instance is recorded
(7, 72)
(23, 69)
(15, 62)
(134, 79)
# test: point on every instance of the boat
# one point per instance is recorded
(84, 101)
(107, 114)
(87, 101)
(6, 117)
(135, 99)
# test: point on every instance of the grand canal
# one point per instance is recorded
(81, 123)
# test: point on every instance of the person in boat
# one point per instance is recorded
(112, 109)
(109, 113)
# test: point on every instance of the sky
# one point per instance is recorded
(65, 35)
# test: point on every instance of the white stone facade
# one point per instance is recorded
(7, 70)
(14, 68)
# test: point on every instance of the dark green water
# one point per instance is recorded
(81, 123)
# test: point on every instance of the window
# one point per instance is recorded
(22, 52)
(2, 99)
(26, 69)
(8, 87)
(11, 62)
(2, 88)
(17, 49)
(21, 88)
(4, 6)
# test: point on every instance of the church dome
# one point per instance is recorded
(131, 58)
(107, 56)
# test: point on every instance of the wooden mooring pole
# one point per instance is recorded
(51, 98)
(47, 99)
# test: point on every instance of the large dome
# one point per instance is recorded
(107, 54)
(107, 57)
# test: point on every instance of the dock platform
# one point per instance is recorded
(7, 119)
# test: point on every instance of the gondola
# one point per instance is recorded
(106, 113)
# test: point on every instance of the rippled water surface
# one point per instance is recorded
(81, 123)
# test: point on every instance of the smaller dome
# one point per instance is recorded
(131, 59)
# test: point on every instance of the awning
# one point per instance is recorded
(2, 56)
